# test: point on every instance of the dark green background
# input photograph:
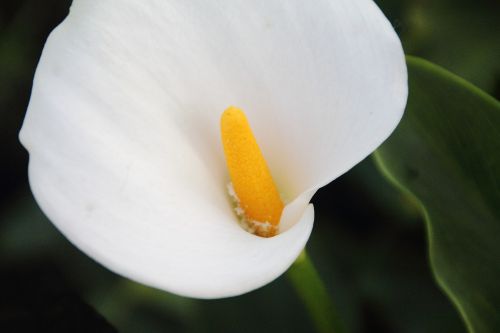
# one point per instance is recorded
(368, 243)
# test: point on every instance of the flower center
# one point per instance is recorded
(258, 200)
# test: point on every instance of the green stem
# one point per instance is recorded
(310, 288)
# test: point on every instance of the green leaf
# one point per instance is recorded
(446, 152)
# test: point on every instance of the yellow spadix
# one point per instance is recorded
(250, 176)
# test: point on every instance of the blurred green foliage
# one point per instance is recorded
(369, 240)
(462, 36)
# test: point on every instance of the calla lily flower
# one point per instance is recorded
(124, 136)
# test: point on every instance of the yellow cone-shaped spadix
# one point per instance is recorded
(251, 179)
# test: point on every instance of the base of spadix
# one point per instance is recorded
(262, 229)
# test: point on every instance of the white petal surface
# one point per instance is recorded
(123, 127)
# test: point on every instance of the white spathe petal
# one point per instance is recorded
(123, 127)
(133, 235)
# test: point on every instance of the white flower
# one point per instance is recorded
(123, 127)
